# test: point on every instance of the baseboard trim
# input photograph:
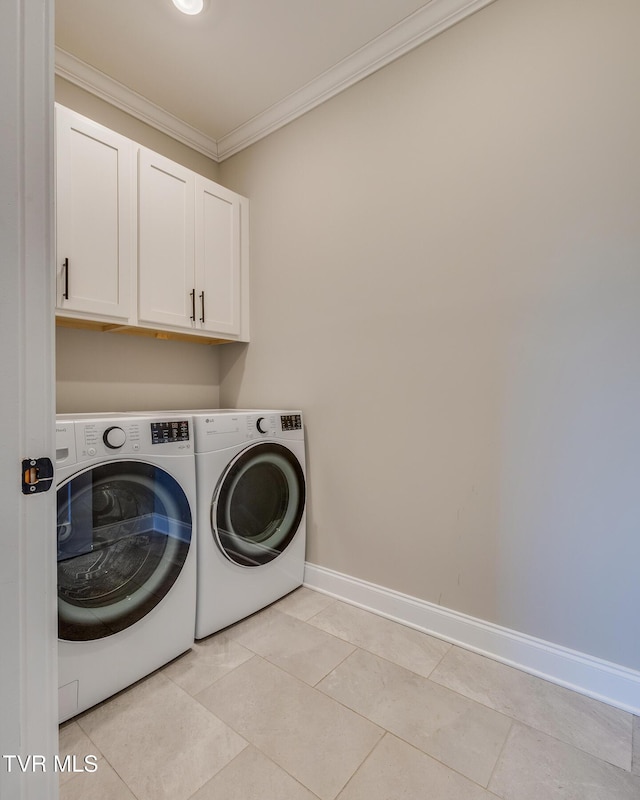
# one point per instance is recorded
(613, 684)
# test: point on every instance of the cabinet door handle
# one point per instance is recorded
(202, 305)
(65, 293)
(193, 305)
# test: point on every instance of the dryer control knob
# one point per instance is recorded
(114, 437)
(259, 422)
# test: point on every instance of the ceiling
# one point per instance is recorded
(243, 68)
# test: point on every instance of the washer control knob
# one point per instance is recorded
(114, 437)
(259, 425)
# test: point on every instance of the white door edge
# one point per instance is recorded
(28, 667)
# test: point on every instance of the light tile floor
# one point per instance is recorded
(313, 698)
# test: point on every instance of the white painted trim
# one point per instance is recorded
(117, 94)
(425, 23)
(28, 624)
(613, 684)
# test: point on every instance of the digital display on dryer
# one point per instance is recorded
(165, 432)
(291, 422)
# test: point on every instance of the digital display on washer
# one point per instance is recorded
(165, 432)
(291, 422)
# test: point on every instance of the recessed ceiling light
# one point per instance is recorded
(189, 6)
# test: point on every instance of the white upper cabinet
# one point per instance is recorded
(166, 201)
(189, 249)
(217, 257)
(94, 218)
(158, 248)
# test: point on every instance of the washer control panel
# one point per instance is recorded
(90, 438)
(166, 432)
(100, 438)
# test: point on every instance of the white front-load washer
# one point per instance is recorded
(126, 532)
(251, 487)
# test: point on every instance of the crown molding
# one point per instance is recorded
(425, 23)
(117, 94)
(419, 27)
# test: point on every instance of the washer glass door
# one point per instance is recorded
(124, 530)
(258, 504)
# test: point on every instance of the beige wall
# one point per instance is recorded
(116, 372)
(109, 372)
(445, 278)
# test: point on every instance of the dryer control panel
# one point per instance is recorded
(291, 422)
(273, 424)
(218, 429)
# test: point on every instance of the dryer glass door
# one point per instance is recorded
(124, 530)
(258, 504)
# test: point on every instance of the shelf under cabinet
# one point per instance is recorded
(152, 333)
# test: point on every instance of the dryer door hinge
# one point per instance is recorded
(37, 475)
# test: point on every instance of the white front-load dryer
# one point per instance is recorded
(126, 532)
(251, 487)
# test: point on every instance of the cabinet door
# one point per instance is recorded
(166, 288)
(217, 241)
(94, 217)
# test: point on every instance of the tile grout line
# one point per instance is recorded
(333, 669)
(536, 727)
(434, 683)
(307, 621)
(322, 694)
(364, 761)
(399, 736)
(502, 749)
(385, 658)
(248, 741)
(513, 720)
